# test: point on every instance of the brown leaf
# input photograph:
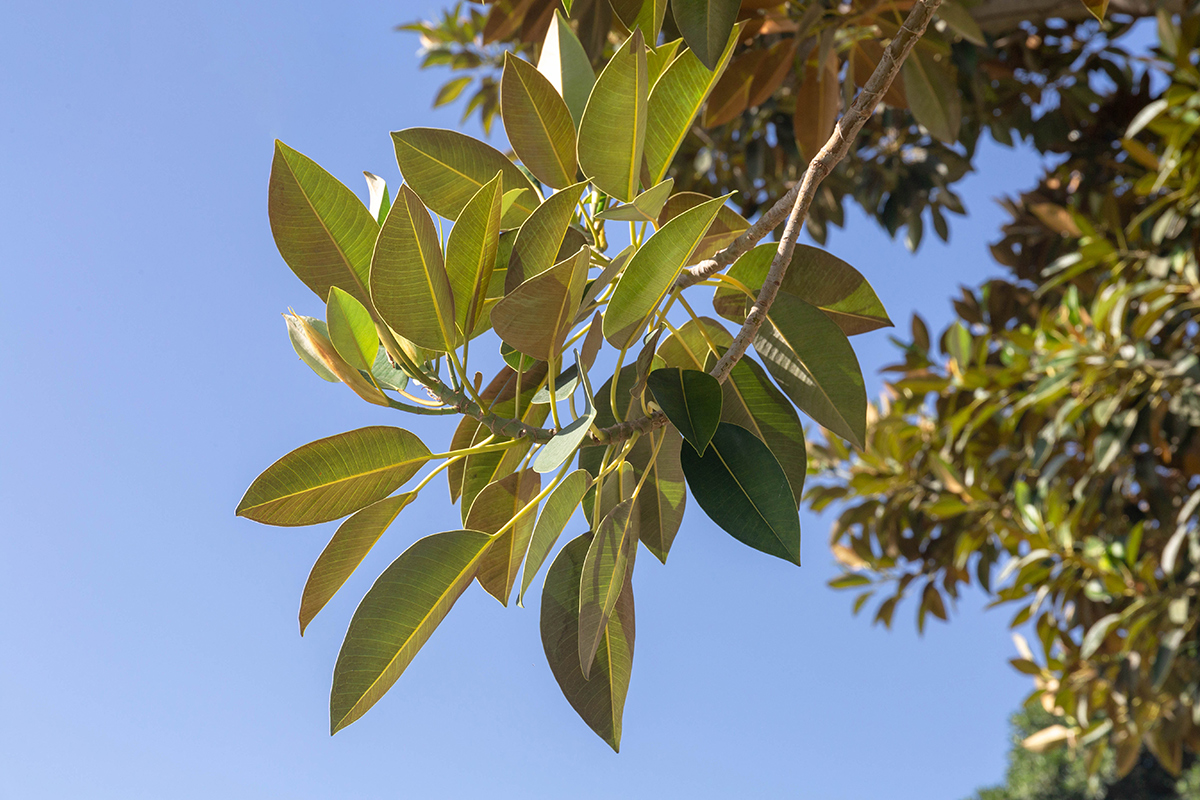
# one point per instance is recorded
(818, 101)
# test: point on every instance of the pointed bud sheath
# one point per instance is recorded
(319, 346)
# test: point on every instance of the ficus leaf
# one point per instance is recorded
(728, 225)
(691, 399)
(397, 617)
(566, 65)
(312, 341)
(471, 254)
(380, 201)
(540, 240)
(386, 374)
(612, 133)
(600, 700)
(705, 26)
(929, 79)
(652, 270)
(349, 546)
(606, 567)
(492, 509)
(562, 447)
(446, 169)
(818, 101)
(645, 207)
(322, 230)
(303, 345)
(537, 122)
(556, 513)
(742, 488)
(351, 329)
(657, 61)
(409, 283)
(537, 315)
(661, 501)
(333, 477)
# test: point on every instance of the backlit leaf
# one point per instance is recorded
(608, 563)
(612, 133)
(397, 617)
(705, 26)
(380, 200)
(742, 488)
(333, 477)
(540, 240)
(566, 65)
(351, 329)
(537, 122)
(691, 399)
(660, 503)
(600, 700)
(562, 447)
(728, 225)
(349, 546)
(556, 513)
(645, 207)
(471, 254)
(492, 509)
(303, 344)
(537, 315)
(409, 283)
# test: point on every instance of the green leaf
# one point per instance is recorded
(537, 315)
(816, 277)
(397, 617)
(930, 81)
(446, 169)
(742, 488)
(675, 100)
(451, 90)
(645, 207)
(650, 19)
(471, 254)
(556, 513)
(959, 20)
(657, 61)
(661, 501)
(612, 132)
(1098, 8)
(562, 447)
(1097, 634)
(600, 700)
(750, 399)
(380, 201)
(349, 546)
(652, 270)
(610, 271)
(537, 122)
(333, 477)
(540, 240)
(565, 384)
(728, 225)
(705, 26)
(409, 283)
(492, 509)
(565, 64)
(386, 375)
(351, 330)
(691, 399)
(322, 230)
(814, 364)
(605, 568)
(303, 344)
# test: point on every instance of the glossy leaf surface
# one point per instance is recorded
(612, 133)
(691, 399)
(333, 477)
(705, 26)
(566, 65)
(537, 122)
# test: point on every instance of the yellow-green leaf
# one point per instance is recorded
(537, 122)
(608, 562)
(537, 315)
(556, 513)
(492, 509)
(351, 329)
(471, 254)
(612, 133)
(565, 64)
(541, 238)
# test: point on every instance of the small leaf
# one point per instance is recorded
(386, 375)
(492, 509)
(562, 447)
(566, 65)
(1046, 739)
(706, 26)
(675, 100)
(324, 233)
(446, 169)
(1098, 8)
(1097, 634)
(556, 513)
(605, 572)
(471, 255)
(451, 90)
(645, 207)
(537, 122)
(565, 384)
(311, 341)
(691, 399)
(540, 240)
(303, 345)
(612, 133)
(349, 546)
(814, 364)
(397, 617)
(351, 330)
(932, 94)
(380, 201)
(600, 700)
(959, 20)
(537, 315)
(742, 488)
(652, 270)
(333, 477)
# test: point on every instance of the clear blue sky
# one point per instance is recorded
(149, 643)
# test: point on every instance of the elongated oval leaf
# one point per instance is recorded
(493, 508)
(540, 240)
(537, 122)
(351, 329)
(566, 65)
(661, 501)
(556, 513)
(612, 133)
(645, 207)
(600, 700)
(609, 560)
(471, 253)
(927, 82)
(652, 271)
(562, 447)
(742, 488)
(333, 477)
(537, 315)
(705, 26)
(814, 364)
(409, 283)
(816, 277)
(349, 546)
(728, 225)
(397, 617)
(691, 399)
(322, 230)
(446, 169)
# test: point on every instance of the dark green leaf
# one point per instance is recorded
(930, 80)
(691, 399)
(705, 26)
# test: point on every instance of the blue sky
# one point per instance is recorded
(150, 644)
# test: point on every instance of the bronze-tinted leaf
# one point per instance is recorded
(537, 315)
(537, 122)
(492, 509)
